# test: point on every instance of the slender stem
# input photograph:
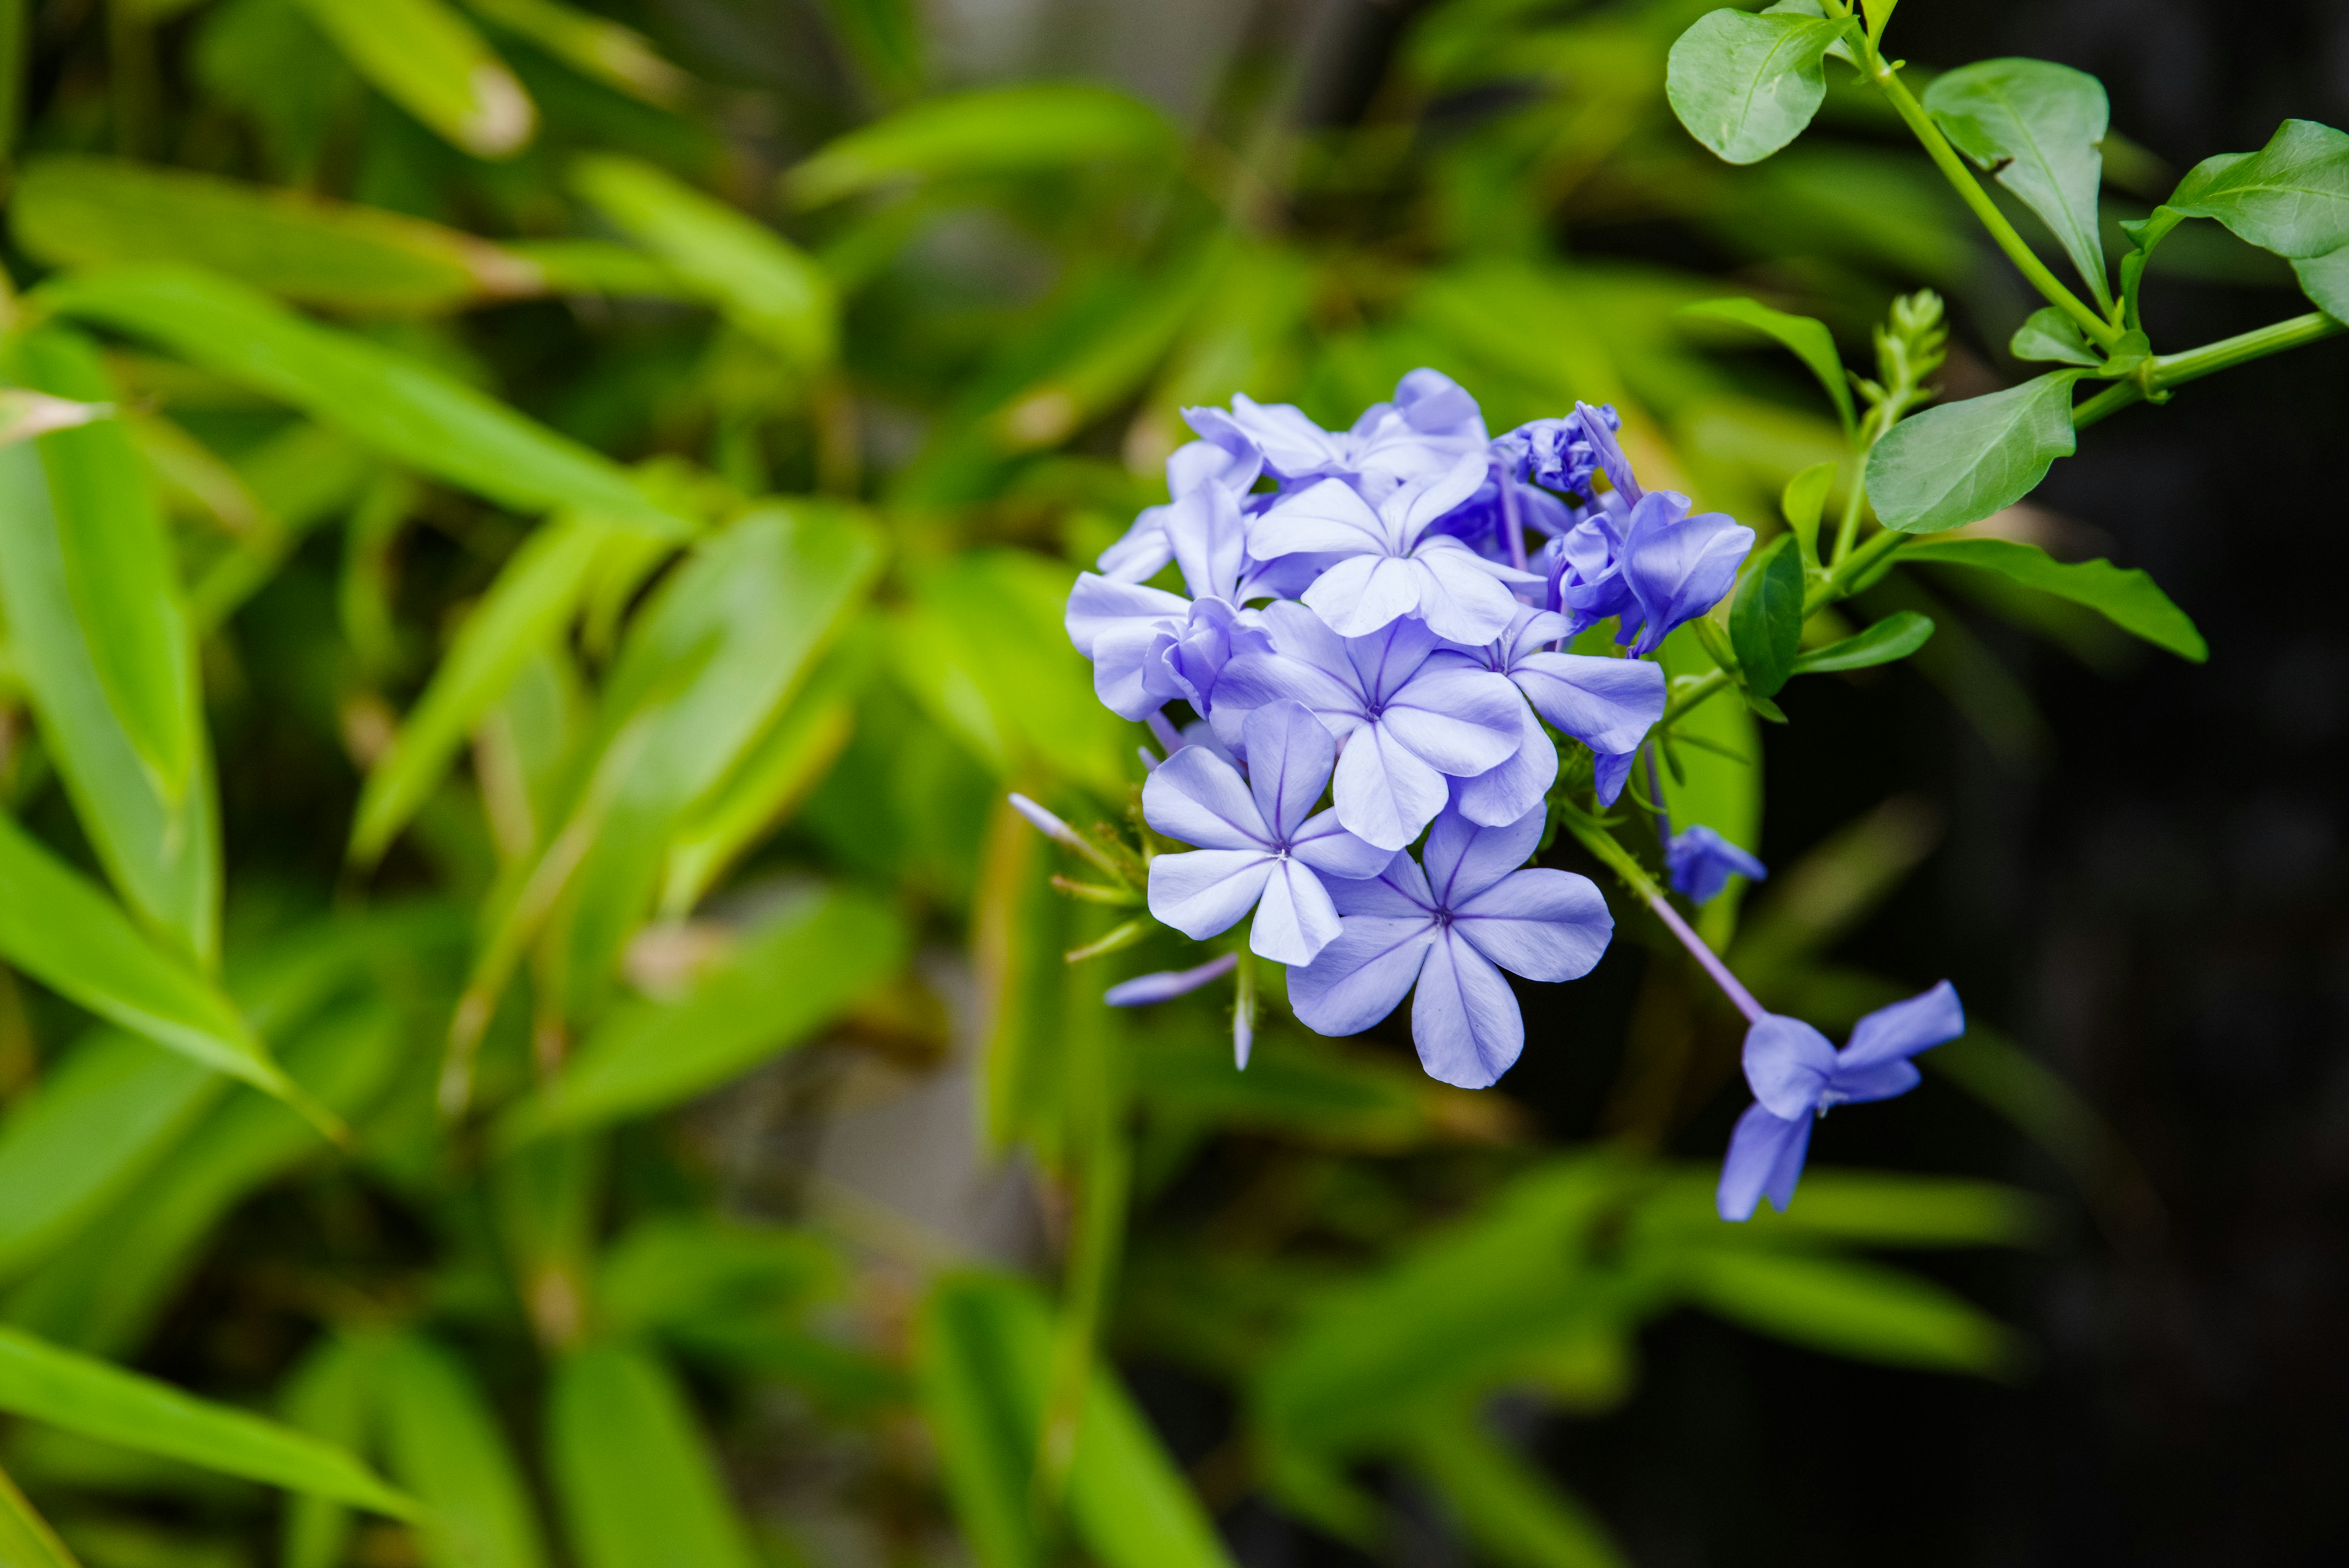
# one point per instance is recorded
(2111, 401)
(1847, 529)
(1635, 877)
(1968, 189)
(2170, 370)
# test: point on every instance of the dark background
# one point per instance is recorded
(2152, 906)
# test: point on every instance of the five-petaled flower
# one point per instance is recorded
(1450, 929)
(1261, 845)
(1797, 1075)
(1701, 862)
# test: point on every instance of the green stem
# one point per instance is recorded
(1969, 190)
(2111, 401)
(2171, 369)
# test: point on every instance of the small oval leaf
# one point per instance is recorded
(1960, 463)
(1747, 85)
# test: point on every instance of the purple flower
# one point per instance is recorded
(1562, 453)
(1701, 862)
(1419, 435)
(1450, 930)
(1390, 565)
(1258, 837)
(1143, 989)
(1796, 1074)
(1677, 567)
(1227, 465)
(1407, 720)
(1608, 772)
(1150, 647)
(1584, 567)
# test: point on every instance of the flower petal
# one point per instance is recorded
(1465, 858)
(1196, 796)
(1786, 1062)
(1460, 722)
(1143, 989)
(1323, 843)
(1097, 604)
(1385, 793)
(1900, 1030)
(1879, 1081)
(1289, 754)
(1122, 659)
(1457, 598)
(1543, 924)
(1329, 516)
(1296, 920)
(1607, 704)
(1207, 890)
(1408, 511)
(1398, 893)
(1765, 1155)
(1498, 796)
(1362, 593)
(1464, 1020)
(1360, 978)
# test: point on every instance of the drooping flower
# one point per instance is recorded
(1797, 1075)
(1450, 929)
(1607, 704)
(1407, 720)
(1260, 844)
(1677, 565)
(1701, 862)
(1389, 563)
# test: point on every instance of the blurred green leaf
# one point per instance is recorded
(786, 979)
(765, 285)
(632, 1470)
(596, 46)
(26, 1539)
(2127, 598)
(680, 1269)
(1866, 1208)
(1766, 620)
(990, 131)
(2037, 124)
(1896, 636)
(332, 1394)
(1958, 463)
(1747, 85)
(1855, 1309)
(1808, 339)
(428, 60)
(68, 935)
(772, 778)
(82, 212)
(42, 1383)
(407, 411)
(1510, 1509)
(442, 1441)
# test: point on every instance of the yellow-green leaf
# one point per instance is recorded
(992, 130)
(428, 60)
(633, 1473)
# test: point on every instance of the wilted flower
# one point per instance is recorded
(1450, 929)
(1701, 862)
(1258, 839)
(1796, 1074)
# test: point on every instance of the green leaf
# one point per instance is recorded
(2290, 197)
(72, 939)
(1896, 636)
(1860, 1310)
(777, 775)
(1514, 1512)
(1747, 85)
(161, 851)
(411, 413)
(1807, 337)
(2325, 280)
(95, 1125)
(1024, 129)
(2123, 595)
(331, 1394)
(535, 595)
(594, 45)
(82, 212)
(428, 60)
(636, 1477)
(984, 1354)
(677, 1269)
(1958, 463)
(2038, 124)
(1766, 619)
(442, 1442)
(92, 1397)
(1804, 501)
(26, 1539)
(2048, 333)
(1863, 1208)
(765, 285)
(787, 980)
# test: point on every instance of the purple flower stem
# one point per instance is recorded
(1709, 961)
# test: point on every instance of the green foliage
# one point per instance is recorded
(2038, 125)
(1896, 636)
(1746, 86)
(1960, 463)
(2127, 598)
(1765, 619)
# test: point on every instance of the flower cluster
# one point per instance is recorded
(1384, 614)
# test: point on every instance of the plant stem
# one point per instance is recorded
(2171, 369)
(1968, 189)
(1851, 566)
(1635, 877)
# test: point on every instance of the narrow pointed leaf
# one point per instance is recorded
(765, 285)
(1848, 1308)
(98, 1400)
(442, 1442)
(1958, 463)
(82, 212)
(428, 60)
(1518, 1516)
(2039, 125)
(596, 46)
(409, 413)
(1896, 636)
(633, 1473)
(992, 131)
(1747, 85)
(1806, 336)
(26, 1539)
(332, 1394)
(2125, 596)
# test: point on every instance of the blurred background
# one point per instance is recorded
(943, 272)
